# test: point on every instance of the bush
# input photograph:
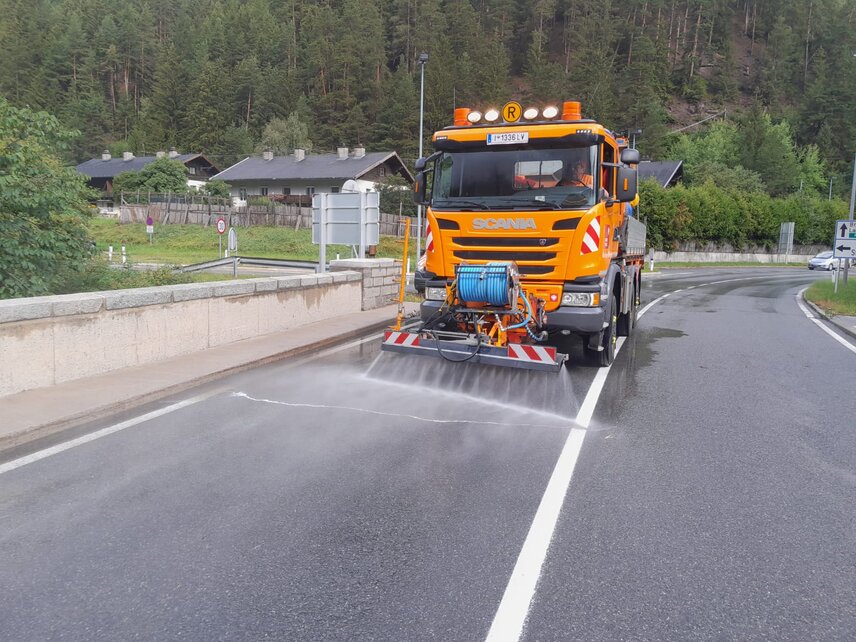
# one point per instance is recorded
(707, 213)
(43, 204)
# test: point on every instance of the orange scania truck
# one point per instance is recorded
(531, 237)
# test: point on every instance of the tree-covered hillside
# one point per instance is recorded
(209, 75)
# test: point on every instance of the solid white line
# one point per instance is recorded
(820, 324)
(53, 450)
(510, 617)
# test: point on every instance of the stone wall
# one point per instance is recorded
(49, 340)
(381, 279)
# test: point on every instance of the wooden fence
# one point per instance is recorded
(204, 210)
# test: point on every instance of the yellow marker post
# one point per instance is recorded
(400, 315)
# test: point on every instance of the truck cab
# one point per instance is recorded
(550, 191)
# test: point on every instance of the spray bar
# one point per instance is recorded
(514, 355)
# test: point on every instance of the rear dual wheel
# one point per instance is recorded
(627, 321)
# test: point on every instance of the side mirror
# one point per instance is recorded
(630, 156)
(420, 164)
(627, 183)
(419, 187)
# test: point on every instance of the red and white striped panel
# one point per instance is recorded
(429, 246)
(401, 338)
(591, 240)
(537, 354)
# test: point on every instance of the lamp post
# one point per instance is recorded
(423, 58)
(852, 205)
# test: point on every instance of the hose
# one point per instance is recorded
(490, 283)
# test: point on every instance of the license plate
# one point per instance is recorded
(508, 138)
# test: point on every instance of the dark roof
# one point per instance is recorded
(312, 167)
(97, 168)
(664, 172)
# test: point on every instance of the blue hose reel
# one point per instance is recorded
(493, 283)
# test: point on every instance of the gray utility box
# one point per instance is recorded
(633, 236)
(348, 218)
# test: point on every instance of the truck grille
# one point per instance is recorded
(474, 241)
(498, 255)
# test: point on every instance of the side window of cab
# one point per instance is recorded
(609, 155)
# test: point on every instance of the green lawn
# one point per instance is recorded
(843, 302)
(185, 244)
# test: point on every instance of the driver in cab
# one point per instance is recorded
(577, 174)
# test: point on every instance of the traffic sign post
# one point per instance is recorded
(233, 248)
(844, 246)
(221, 229)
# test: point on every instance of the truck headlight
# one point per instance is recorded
(581, 299)
(435, 294)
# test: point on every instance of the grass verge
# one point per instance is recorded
(186, 244)
(97, 275)
(822, 294)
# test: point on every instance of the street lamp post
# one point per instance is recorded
(423, 58)
(852, 204)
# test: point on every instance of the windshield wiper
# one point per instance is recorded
(446, 203)
(544, 205)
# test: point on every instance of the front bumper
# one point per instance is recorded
(574, 319)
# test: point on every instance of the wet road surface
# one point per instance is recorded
(712, 497)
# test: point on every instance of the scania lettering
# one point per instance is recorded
(504, 223)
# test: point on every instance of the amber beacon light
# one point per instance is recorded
(572, 110)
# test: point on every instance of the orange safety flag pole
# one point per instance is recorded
(400, 316)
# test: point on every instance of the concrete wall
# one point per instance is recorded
(49, 340)
(723, 257)
(381, 279)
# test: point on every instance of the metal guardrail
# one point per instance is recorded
(249, 260)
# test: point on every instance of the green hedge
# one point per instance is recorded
(709, 214)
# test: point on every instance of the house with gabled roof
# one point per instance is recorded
(302, 174)
(102, 171)
(666, 173)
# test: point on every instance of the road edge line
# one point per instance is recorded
(799, 297)
(109, 430)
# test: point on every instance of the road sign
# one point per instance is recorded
(221, 226)
(150, 226)
(844, 245)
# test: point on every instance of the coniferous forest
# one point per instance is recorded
(210, 75)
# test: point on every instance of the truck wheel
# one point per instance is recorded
(604, 357)
(627, 321)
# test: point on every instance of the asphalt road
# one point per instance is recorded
(713, 495)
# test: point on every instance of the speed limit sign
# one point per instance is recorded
(221, 226)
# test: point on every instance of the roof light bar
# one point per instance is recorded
(491, 115)
(550, 112)
(531, 113)
(474, 116)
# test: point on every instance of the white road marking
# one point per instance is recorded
(510, 617)
(820, 323)
(85, 439)
(321, 406)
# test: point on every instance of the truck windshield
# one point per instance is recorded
(508, 179)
